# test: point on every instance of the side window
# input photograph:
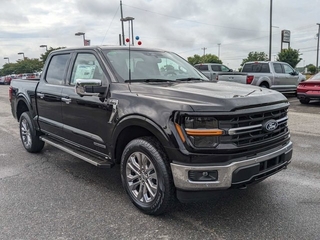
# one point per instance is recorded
(215, 68)
(57, 68)
(287, 68)
(265, 68)
(87, 66)
(203, 67)
(277, 67)
(224, 68)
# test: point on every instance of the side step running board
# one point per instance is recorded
(79, 154)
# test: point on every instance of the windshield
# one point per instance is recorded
(151, 66)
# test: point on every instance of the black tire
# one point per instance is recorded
(264, 85)
(304, 100)
(28, 134)
(146, 176)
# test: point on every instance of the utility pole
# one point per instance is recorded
(317, 62)
(219, 44)
(122, 27)
(270, 34)
(204, 50)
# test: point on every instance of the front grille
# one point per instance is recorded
(246, 130)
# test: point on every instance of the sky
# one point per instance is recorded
(228, 28)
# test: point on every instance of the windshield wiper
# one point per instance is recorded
(190, 79)
(149, 80)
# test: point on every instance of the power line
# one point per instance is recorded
(110, 24)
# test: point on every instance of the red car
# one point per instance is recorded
(309, 90)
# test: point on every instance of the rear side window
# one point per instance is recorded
(256, 67)
(277, 68)
(203, 67)
(57, 68)
(215, 68)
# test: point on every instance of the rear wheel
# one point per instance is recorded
(28, 134)
(304, 100)
(264, 85)
(146, 176)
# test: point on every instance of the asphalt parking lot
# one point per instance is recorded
(52, 195)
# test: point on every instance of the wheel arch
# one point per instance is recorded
(138, 126)
(264, 79)
(22, 106)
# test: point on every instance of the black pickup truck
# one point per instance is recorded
(174, 133)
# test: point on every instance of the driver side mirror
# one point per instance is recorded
(89, 87)
(294, 73)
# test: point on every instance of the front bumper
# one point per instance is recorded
(237, 173)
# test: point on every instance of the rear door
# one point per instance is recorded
(49, 92)
(85, 119)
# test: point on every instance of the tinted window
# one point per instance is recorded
(203, 67)
(256, 67)
(215, 68)
(57, 68)
(87, 66)
(277, 68)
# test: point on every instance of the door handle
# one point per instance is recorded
(66, 100)
(40, 95)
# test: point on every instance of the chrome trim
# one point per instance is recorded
(180, 172)
(248, 129)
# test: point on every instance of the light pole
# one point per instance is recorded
(219, 44)
(22, 54)
(7, 59)
(317, 62)
(130, 20)
(44, 46)
(270, 34)
(84, 38)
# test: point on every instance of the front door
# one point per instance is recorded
(86, 118)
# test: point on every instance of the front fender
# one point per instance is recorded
(144, 122)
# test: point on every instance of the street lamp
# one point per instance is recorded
(7, 59)
(317, 62)
(84, 38)
(44, 46)
(22, 54)
(130, 20)
(270, 34)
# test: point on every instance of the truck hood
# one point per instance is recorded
(209, 96)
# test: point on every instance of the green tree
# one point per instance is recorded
(290, 56)
(255, 56)
(44, 56)
(311, 68)
(208, 58)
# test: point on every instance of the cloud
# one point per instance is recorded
(182, 26)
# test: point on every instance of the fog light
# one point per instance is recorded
(203, 176)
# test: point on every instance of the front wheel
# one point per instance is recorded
(146, 176)
(29, 135)
(304, 100)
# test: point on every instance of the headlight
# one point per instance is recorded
(202, 132)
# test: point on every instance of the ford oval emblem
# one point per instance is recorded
(270, 125)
